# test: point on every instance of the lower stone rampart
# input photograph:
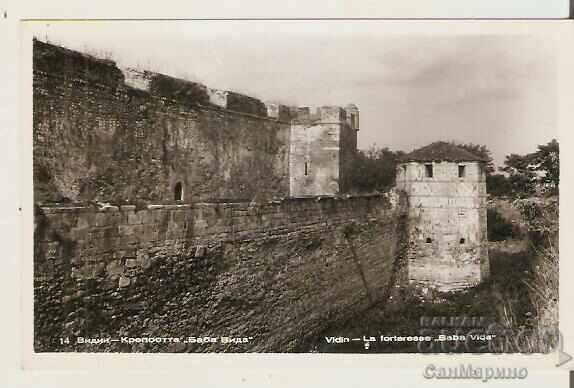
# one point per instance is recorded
(269, 275)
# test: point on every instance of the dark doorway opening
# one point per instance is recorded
(178, 192)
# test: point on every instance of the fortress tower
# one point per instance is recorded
(446, 189)
(322, 148)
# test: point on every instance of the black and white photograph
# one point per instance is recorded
(295, 186)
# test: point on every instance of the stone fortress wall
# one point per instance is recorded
(116, 253)
(264, 272)
(108, 134)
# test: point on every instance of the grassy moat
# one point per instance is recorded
(501, 305)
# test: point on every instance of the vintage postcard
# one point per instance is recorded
(293, 187)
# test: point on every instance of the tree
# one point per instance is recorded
(521, 176)
(374, 170)
(540, 169)
(498, 185)
(547, 161)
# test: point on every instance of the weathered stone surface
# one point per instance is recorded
(240, 275)
(110, 135)
(97, 138)
(124, 281)
(322, 148)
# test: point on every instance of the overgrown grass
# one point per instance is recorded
(505, 294)
(541, 215)
(518, 303)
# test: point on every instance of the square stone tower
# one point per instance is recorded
(322, 148)
(446, 189)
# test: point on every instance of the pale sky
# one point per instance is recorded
(411, 88)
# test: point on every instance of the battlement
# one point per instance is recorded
(71, 64)
(53, 59)
(327, 114)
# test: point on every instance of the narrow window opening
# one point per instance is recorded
(428, 170)
(178, 192)
(306, 169)
(462, 241)
(428, 240)
(461, 171)
(353, 121)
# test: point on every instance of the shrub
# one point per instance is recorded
(374, 170)
(498, 228)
